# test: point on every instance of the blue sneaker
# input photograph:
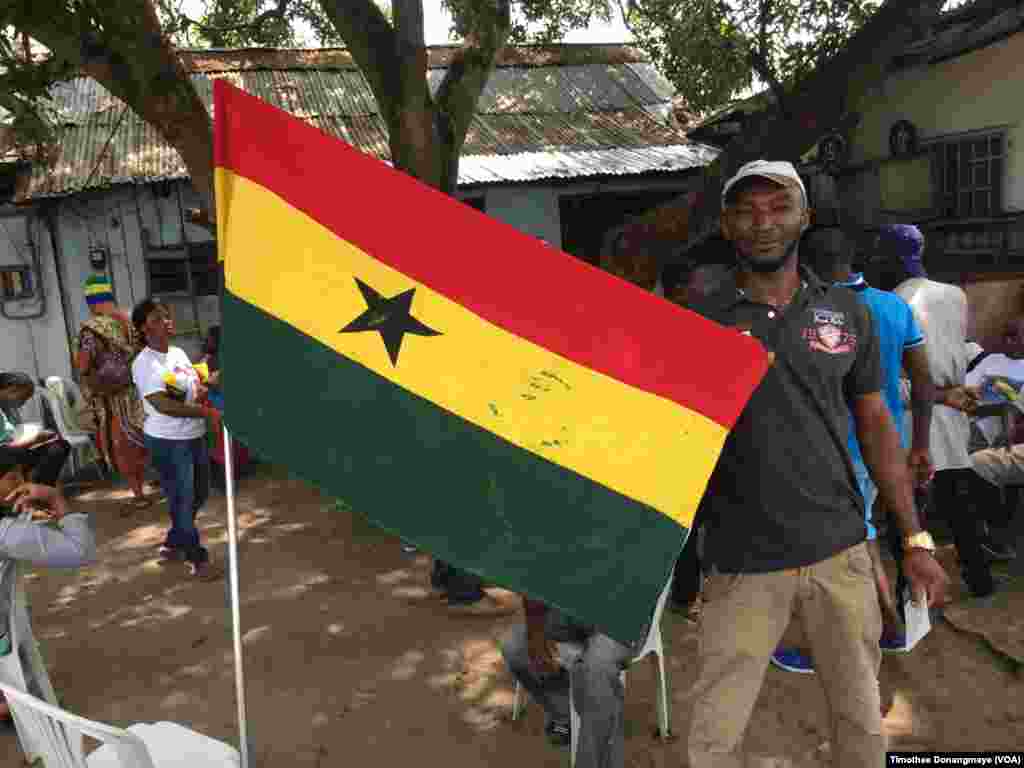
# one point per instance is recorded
(792, 660)
(893, 642)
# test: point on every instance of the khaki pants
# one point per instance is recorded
(744, 618)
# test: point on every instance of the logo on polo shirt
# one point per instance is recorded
(829, 317)
(829, 334)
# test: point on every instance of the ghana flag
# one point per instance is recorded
(503, 405)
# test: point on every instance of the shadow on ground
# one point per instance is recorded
(350, 660)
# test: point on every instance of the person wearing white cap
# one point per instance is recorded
(784, 516)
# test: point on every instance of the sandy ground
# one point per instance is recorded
(349, 661)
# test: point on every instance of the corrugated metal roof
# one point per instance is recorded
(537, 166)
(533, 122)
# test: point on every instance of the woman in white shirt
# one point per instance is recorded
(175, 432)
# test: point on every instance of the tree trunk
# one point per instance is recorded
(425, 133)
(120, 44)
(421, 148)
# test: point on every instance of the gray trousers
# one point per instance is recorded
(596, 688)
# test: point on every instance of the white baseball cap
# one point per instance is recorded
(780, 171)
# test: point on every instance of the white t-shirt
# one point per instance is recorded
(148, 372)
(941, 314)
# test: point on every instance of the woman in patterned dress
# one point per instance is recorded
(119, 416)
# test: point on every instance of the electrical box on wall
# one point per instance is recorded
(16, 283)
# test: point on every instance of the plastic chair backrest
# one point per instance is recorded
(62, 733)
(23, 649)
(654, 633)
(56, 408)
(56, 411)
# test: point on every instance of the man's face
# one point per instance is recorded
(764, 223)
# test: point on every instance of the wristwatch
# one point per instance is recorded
(920, 540)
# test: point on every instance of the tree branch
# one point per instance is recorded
(485, 35)
(624, 12)
(256, 25)
(762, 37)
(123, 47)
(760, 64)
(827, 99)
(371, 40)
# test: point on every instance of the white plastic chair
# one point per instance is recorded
(24, 649)
(569, 652)
(145, 745)
(77, 440)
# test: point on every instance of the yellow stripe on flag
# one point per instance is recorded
(288, 265)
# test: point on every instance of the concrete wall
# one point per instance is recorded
(533, 210)
(37, 347)
(992, 304)
(119, 221)
(977, 91)
(127, 222)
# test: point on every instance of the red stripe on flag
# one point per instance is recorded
(532, 290)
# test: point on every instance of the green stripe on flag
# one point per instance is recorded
(441, 482)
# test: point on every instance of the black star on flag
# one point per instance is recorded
(389, 317)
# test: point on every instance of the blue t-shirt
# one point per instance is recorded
(897, 332)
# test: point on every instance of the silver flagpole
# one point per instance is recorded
(236, 624)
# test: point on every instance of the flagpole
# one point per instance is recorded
(236, 624)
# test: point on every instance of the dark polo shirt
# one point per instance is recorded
(783, 494)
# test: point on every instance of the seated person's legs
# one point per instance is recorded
(598, 695)
(994, 472)
(47, 461)
(950, 496)
(596, 688)
(551, 693)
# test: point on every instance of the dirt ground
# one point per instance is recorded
(349, 661)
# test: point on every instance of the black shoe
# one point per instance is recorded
(558, 733)
(465, 599)
(172, 554)
(979, 581)
(439, 576)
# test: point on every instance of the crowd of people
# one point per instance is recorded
(862, 422)
(863, 415)
(148, 405)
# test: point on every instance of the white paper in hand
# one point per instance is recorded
(918, 620)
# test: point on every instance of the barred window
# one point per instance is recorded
(969, 175)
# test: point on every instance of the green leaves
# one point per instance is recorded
(534, 21)
(712, 50)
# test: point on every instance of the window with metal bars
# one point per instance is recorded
(195, 273)
(968, 175)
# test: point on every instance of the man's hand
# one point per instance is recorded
(44, 498)
(927, 577)
(921, 467)
(543, 655)
(202, 393)
(961, 398)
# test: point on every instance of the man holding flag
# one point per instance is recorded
(784, 514)
(506, 426)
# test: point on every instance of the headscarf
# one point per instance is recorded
(98, 290)
(907, 242)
